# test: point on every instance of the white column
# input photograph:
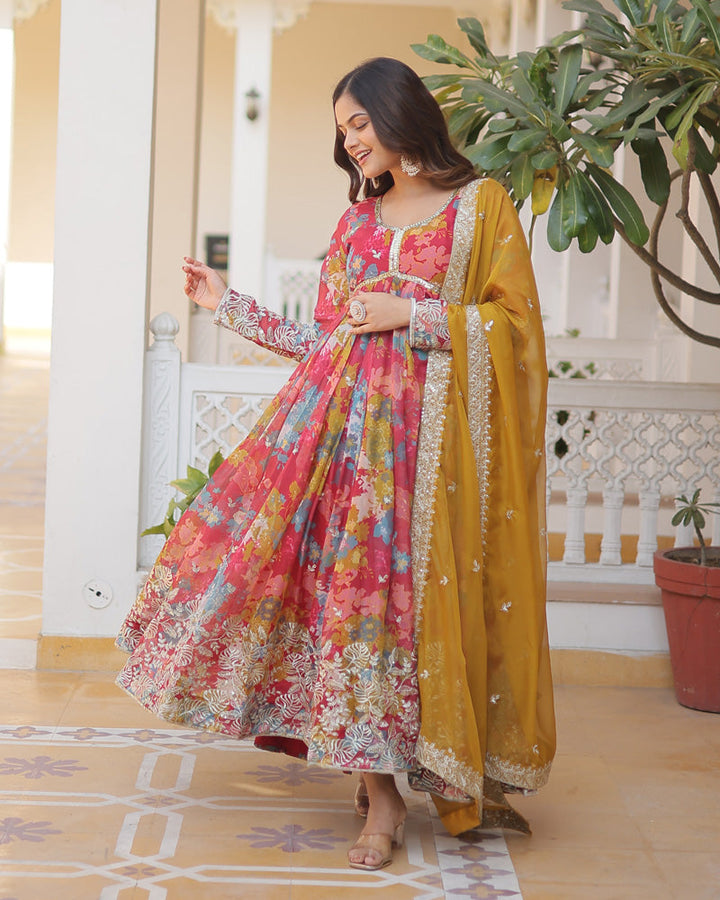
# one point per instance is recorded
(104, 176)
(253, 66)
(7, 71)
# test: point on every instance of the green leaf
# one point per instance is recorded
(653, 109)
(566, 77)
(622, 203)
(654, 169)
(598, 97)
(156, 529)
(588, 6)
(704, 159)
(526, 139)
(557, 238)
(690, 26)
(712, 126)
(496, 125)
(710, 21)
(184, 485)
(434, 82)
(574, 212)
(680, 149)
(600, 151)
(587, 237)
(701, 96)
(491, 153)
(633, 10)
(486, 93)
(582, 88)
(545, 159)
(215, 463)
(462, 117)
(522, 174)
(475, 35)
(598, 208)
(677, 518)
(526, 91)
(437, 50)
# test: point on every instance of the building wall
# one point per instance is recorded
(306, 192)
(32, 191)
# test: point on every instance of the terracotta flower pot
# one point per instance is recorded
(691, 601)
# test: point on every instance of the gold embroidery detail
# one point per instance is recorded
(528, 777)
(368, 282)
(432, 422)
(480, 385)
(445, 764)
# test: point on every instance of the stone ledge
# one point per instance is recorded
(579, 667)
(593, 592)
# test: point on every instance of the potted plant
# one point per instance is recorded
(549, 123)
(689, 579)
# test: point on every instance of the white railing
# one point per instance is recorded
(618, 452)
(291, 286)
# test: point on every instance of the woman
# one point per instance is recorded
(362, 581)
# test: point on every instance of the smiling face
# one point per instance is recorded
(360, 141)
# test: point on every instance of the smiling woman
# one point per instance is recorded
(361, 583)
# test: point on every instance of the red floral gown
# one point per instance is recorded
(282, 603)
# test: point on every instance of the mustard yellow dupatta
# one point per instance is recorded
(479, 561)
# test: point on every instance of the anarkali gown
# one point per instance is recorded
(362, 580)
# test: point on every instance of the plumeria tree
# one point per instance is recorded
(548, 125)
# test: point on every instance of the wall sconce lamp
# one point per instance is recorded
(252, 109)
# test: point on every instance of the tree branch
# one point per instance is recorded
(669, 276)
(712, 202)
(665, 305)
(684, 215)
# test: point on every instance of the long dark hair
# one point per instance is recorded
(407, 119)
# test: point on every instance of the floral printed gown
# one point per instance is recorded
(282, 604)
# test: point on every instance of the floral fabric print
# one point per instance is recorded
(282, 602)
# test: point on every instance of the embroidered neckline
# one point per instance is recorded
(379, 220)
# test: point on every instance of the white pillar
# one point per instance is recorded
(253, 66)
(7, 71)
(104, 177)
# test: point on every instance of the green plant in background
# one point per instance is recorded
(190, 486)
(693, 511)
(548, 125)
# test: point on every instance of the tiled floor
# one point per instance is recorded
(100, 800)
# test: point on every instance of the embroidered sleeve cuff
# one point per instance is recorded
(429, 326)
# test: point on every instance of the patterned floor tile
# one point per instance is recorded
(165, 813)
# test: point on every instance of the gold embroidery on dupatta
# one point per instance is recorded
(480, 370)
(528, 777)
(437, 379)
(449, 768)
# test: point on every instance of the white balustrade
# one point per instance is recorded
(161, 410)
(292, 286)
(618, 452)
(631, 447)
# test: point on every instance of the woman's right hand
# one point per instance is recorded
(203, 285)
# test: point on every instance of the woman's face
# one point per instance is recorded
(360, 140)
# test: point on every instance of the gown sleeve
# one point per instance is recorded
(245, 316)
(288, 337)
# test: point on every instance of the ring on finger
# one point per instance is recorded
(358, 311)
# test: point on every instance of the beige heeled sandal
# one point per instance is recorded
(362, 801)
(382, 844)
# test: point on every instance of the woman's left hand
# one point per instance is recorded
(384, 312)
